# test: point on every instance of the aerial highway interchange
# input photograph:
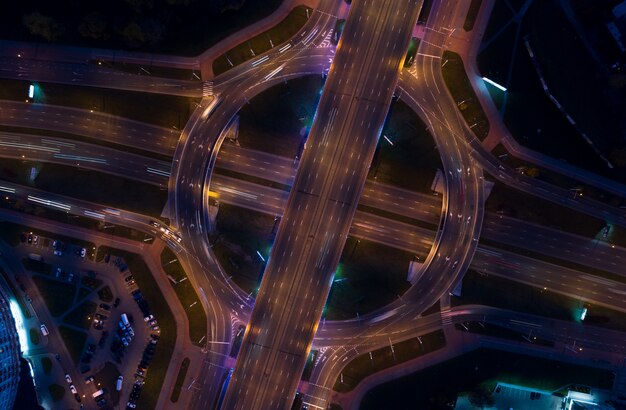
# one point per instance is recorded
(319, 211)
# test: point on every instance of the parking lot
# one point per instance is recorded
(87, 317)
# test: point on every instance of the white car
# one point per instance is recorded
(44, 330)
(83, 252)
(68, 378)
(73, 389)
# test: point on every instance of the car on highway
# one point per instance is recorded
(68, 378)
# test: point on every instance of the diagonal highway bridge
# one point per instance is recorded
(321, 204)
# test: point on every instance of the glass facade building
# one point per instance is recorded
(9, 355)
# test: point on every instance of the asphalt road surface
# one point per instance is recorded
(321, 205)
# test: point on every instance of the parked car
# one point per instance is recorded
(105, 306)
(68, 378)
(73, 389)
(117, 302)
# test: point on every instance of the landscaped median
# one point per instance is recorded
(383, 358)
(187, 296)
(267, 40)
(184, 366)
(463, 94)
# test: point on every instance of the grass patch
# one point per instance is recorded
(310, 365)
(57, 392)
(58, 296)
(241, 232)
(82, 315)
(37, 266)
(383, 358)
(530, 208)
(74, 341)
(182, 372)
(564, 60)
(46, 364)
(277, 119)
(187, 296)
(413, 159)
(33, 333)
(105, 294)
(530, 115)
(499, 292)
(107, 378)
(91, 283)
(10, 232)
(463, 94)
(425, 11)
(369, 276)
(82, 294)
(441, 383)
(261, 43)
(472, 13)
(152, 27)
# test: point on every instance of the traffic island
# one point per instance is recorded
(463, 94)
(263, 42)
(187, 295)
(182, 372)
(406, 155)
(369, 276)
(396, 353)
(241, 233)
(277, 120)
